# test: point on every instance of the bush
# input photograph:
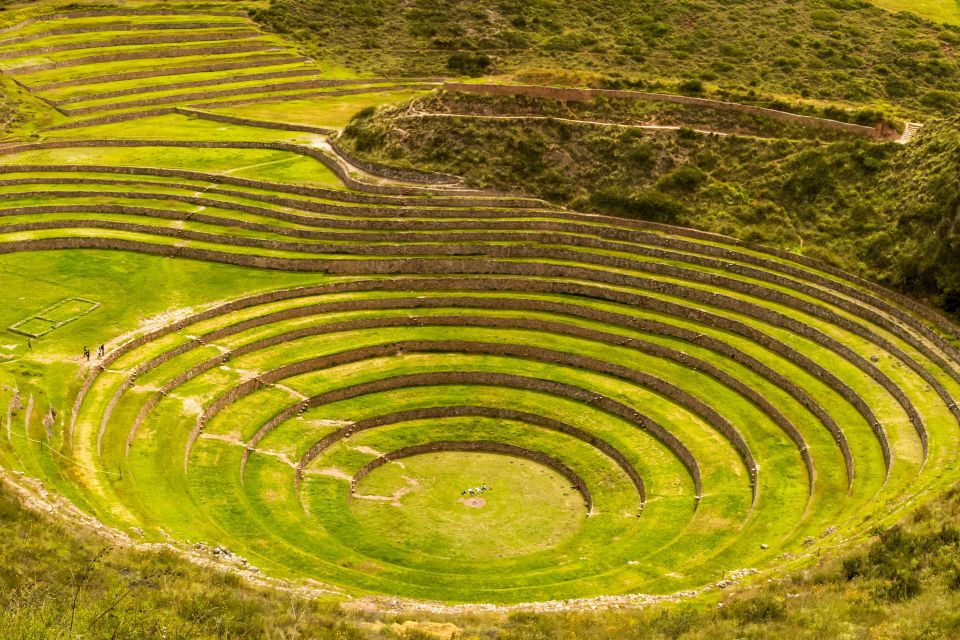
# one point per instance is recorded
(944, 101)
(365, 113)
(854, 567)
(469, 64)
(904, 586)
(651, 205)
(686, 179)
(755, 610)
(691, 86)
(676, 623)
(364, 137)
(868, 117)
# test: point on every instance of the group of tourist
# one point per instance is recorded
(474, 491)
(100, 351)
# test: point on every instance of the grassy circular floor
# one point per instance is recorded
(416, 504)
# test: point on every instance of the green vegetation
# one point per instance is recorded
(526, 506)
(151, 455)
(879, 209)
(57, 580)
(835, 50)
(946, 11)
(261, 362)
(901, 586)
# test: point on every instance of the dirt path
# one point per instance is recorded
(598, 123)
(234, 440)
(332, 472)
(401, 606)
(394, 498)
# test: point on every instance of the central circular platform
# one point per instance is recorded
(417, 504)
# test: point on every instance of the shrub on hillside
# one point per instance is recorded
(363, 136)
(943, 101)
(756, 610)
(467, 63)
(692, 87)
(686, 179)
(644, 204)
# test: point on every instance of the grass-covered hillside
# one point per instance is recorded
(878, 208)
(839, 50)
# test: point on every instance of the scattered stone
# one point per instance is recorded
(808, 541)
(137, 530)
(828, 531)
(764, 546)
(740, 573)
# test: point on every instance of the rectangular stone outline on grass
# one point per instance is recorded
(54, 324)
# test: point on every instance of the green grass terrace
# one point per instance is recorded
(326, 364)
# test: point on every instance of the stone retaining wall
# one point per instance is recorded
(250, 122)
(657, 385)
(247, 63)
(486, 446)
(456, 198)
(238, 91)
(748, 288)
(512, 323)
(331, 163)
(686, 246)
(315, 94)
(112, 119)
(113, 12)
(180, 52)
(317, 207)
(676, 290)
(845, 391)
(759, 337)
(130, 41)
(580, 95)
(664, 388)
(187, 84)
(541, 270)
(662, 269)
(442, 412)
(121, 27)
(595, 400)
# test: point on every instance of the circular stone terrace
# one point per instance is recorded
(648, 406)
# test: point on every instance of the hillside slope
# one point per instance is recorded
(923, 204)
(846, 50)
(883, 210)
